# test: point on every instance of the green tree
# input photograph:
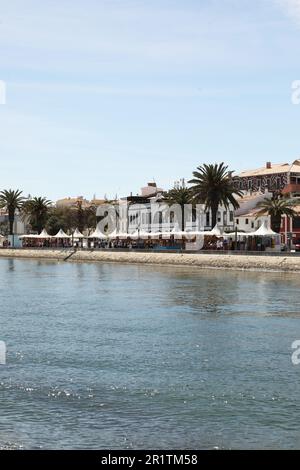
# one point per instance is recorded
(79, 215)
(212, 185)
(276, 208)
(37, 210)
(89, 218)
(60, 218)
(181, 196)
(12, 201)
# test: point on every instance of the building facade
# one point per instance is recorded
(148, 212)
(282, 178)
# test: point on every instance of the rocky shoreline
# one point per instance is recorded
(204, 261)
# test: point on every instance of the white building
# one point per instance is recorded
(245, 218)
(149, 213)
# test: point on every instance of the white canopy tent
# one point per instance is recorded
(44, 234)
(144, 235)
(264, 231)
(238, 234)
(77, 234)
(98, 234)
(123, 235)
(155, 235)
(113, 235)
(216, 231)
(179, 235)
(28, 236)
(197, 233)
(61, 234)
(135, 235)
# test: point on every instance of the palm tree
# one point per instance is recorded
(212, 186)
(37, 210)
(12, 201)
(276, 208)
(181, 196)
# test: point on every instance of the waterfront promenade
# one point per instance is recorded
(281, 262)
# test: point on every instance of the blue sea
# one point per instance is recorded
(147, 357)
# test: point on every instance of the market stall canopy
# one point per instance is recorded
(216, 231)
(77, 234)
(98, 234)
(180, 234)
(264, 231)
(144, 235)
(155, 235)
(112, 235)
(123, 235)
(135, 235)
(238, 234)
(28, 236)
(61, 234)
(166, 235)
(44, 234)
(197, 233)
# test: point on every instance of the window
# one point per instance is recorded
(194, 215)
(237, 221)
(231, 216)
(207, 219)
(219, 217)
(247, 221)
(252, 224)
(171, 217)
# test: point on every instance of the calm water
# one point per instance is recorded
(124, 356)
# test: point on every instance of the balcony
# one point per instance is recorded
(291, 188)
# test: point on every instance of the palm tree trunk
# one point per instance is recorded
(40, 227)
(11, 219)
(276, 223)
(182, 219)
(214, 213)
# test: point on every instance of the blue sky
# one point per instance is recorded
(103, 96)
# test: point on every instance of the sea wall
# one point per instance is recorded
(205, 261)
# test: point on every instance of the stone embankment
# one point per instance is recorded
(200, 260)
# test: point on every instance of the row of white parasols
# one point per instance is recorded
(264, 230)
